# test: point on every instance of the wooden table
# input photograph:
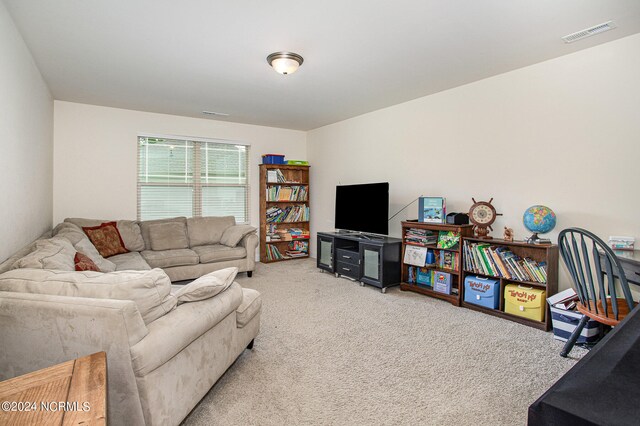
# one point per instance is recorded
(71, 393)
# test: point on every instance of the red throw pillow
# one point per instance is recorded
(84, 263)
(106, 238)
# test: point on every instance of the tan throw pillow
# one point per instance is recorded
(106, 239)
(168, 236)
(234, 234)
(85, 247)
(56, 253)
(207, 286)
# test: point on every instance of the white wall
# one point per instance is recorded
(564, 133)
(26, 142)
(96, 147)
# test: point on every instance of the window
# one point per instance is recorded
(187, 177)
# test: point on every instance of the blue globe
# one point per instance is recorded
(539, 219)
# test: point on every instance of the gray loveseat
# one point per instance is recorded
(164, 350)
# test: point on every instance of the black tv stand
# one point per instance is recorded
(362, 235)
(370, 259)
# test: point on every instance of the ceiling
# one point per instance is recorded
(183, 57)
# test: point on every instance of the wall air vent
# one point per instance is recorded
(219, 114)
(596, 29)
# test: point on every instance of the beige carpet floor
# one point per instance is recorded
(332, 352)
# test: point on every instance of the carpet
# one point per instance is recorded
(332, 352)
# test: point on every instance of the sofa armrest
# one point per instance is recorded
(250, 242)
(175, 331)
(39, 331)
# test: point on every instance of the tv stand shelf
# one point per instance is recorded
(372, 260)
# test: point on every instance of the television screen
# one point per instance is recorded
(363, 208)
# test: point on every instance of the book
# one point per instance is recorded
(411, 278)
(432, 210)
(416, 256)
(448, 240)
(442, 282)
(424, 276)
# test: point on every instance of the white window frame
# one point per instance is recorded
(197, 185)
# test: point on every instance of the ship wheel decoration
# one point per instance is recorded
(482, 214)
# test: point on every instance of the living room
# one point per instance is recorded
(460, 102)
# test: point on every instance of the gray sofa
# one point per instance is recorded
(200, 251)
(164, 350)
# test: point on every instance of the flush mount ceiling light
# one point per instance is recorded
(285, 62)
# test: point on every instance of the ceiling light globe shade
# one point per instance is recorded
(285, 62)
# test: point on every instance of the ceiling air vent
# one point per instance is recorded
(596, 29)
(219, 114)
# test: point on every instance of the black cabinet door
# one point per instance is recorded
(371, 264)
(326, 248)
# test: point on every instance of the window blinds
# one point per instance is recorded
(179, 177)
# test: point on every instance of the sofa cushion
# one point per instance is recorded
(53, 253)
(168, 236)
(218, 253)
(129, 230)
(234, 234)
(88, 249)
(150, 290)
(84, 263)
(132, 261)
(250, 306)
(208, 230)
(168, 258)
(207, 285)
(174, 332)
(106, 238)
(145, 224)
(71, 232)
(81, 243)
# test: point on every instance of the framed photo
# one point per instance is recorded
(432, 210)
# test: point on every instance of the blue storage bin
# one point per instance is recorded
(564, 322)
(273, 159)
(482, 291)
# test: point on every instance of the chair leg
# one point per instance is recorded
(250, 345)
(574, 336)
(249, 274)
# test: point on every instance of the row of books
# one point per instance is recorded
(421, 237)
(275, 176)
(499, 261)
(287, 193)
(298, 249)
(448, 260)
(273, 253)
(438, 281)
(294, 249)
(288, 214)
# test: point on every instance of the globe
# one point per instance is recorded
(539, 219)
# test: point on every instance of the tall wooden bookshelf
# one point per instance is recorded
(296, 179)
(455, 297)
(547, 253)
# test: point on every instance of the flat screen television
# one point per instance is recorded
(363, 208)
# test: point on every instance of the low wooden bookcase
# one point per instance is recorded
(456, 274)
(547, 253)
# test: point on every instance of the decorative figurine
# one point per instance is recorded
(508, 234)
